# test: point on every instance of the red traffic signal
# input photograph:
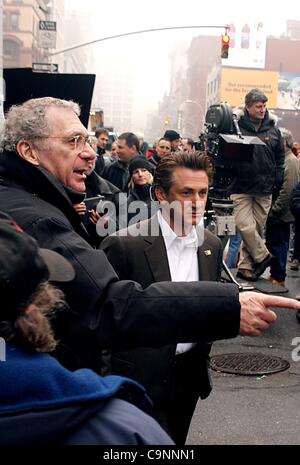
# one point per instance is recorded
(225, 45)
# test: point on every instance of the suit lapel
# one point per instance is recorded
(204, 259)
(156, 254)
(203, 265)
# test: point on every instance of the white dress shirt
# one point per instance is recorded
(183, 260)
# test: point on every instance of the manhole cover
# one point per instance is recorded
(248, 364)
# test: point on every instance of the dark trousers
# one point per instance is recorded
(177, 412)
(277, 241)
(297, 240)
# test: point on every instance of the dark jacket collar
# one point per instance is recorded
(99, 185)
(244, 121)
(18, 173)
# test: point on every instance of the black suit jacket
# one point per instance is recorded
(143, 258)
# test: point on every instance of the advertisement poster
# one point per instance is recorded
(247, 48)
(289, 91)
(236, 83)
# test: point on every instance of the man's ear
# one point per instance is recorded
(26, 150)
(160, 194)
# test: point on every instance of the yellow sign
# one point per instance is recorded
(236, 83)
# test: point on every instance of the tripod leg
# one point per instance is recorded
(230, 275)
(242, 287)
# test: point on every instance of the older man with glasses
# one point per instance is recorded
(43, 166)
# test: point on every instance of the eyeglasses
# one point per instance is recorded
(76, 142)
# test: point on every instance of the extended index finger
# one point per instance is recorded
(276, 301)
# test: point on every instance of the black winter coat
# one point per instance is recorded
(117, 173)
(107, 192)
(295, 209)
(105, 312)
(295, 202)
(265, 170)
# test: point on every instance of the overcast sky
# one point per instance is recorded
(122, 15)
(150, 51)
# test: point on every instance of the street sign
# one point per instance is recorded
(45, 67)
(47, 25)
(47, 34)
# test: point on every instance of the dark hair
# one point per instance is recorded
(296, 147)
(131, 139)
(100, 131)
(163, 138)
(197, 160)
(255, 95)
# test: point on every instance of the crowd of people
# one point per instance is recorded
(135, 308)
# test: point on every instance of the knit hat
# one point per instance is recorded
(140, 162)
(171, 135)
(23, 265)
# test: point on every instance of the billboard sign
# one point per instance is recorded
(236, 83)
(289, 91)
(247, 48)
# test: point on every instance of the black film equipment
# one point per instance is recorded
(23, 84)
(224, 142)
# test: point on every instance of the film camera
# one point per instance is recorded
(224, 142)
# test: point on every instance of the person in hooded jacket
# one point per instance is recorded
(41, 402)
(255, 181)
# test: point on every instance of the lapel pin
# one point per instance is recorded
(207, 252)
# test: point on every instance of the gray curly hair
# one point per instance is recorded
(28, 121)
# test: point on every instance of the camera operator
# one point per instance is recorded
(255, 182)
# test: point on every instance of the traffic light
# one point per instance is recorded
(225, 45)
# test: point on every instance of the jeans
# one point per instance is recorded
(277, 241)
(233, 251)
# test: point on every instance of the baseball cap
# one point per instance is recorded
(23, 265)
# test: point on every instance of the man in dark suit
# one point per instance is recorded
(173, 247)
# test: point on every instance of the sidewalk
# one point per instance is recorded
(255, 409)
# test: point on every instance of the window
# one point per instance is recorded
(4, 21)
(11, 50)
(14, 21)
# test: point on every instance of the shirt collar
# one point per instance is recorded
(190, 240)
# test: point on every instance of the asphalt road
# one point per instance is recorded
(255, 410)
